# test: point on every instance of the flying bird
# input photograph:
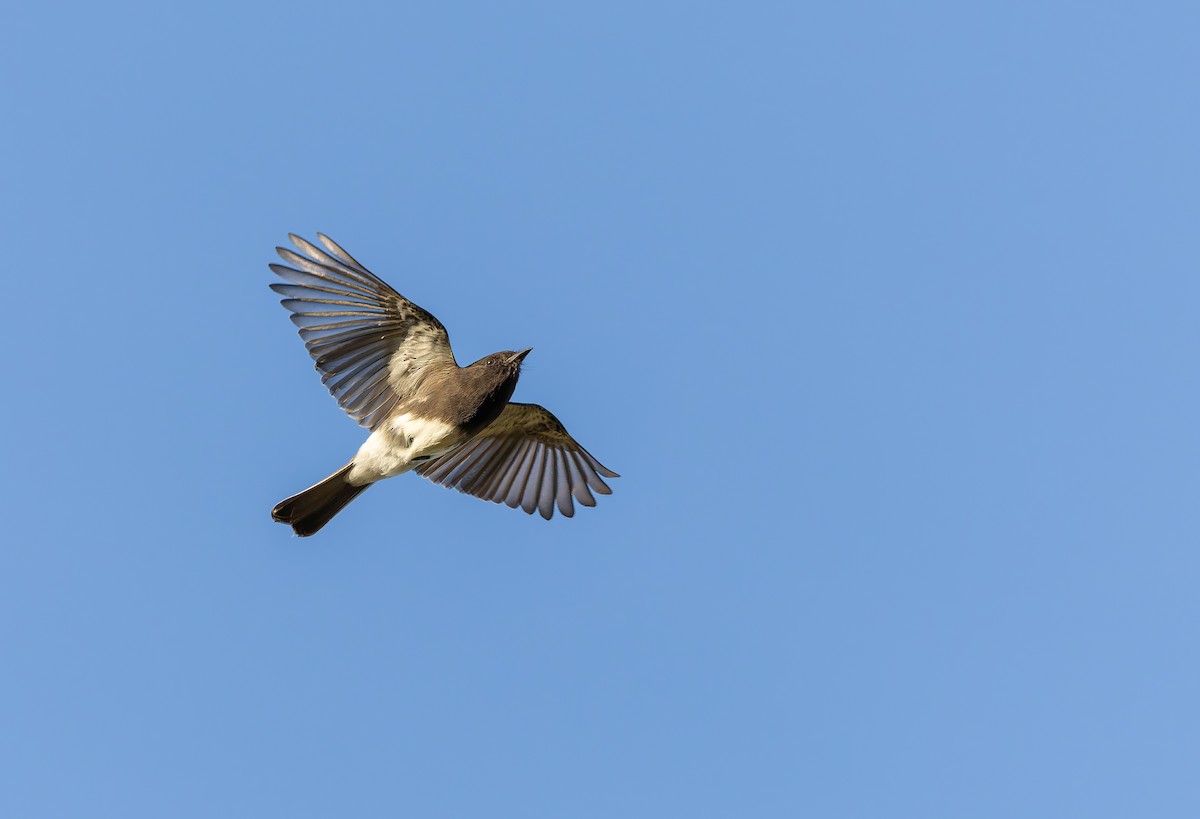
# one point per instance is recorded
(390, 367)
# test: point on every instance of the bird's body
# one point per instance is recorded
(389, 364)
(461, 401)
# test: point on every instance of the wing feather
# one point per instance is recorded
(579, 486)
(499, 493)
(373, 353)
(517, 491)
(524, 458)
(565, 505)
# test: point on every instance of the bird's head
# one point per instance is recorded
(507, 363)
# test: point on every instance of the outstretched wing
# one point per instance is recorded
(525, 457)
(371, 344)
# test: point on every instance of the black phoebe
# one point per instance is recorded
(390, 367)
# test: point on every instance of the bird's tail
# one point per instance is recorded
(307, 511)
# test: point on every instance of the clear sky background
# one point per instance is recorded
(886, 313)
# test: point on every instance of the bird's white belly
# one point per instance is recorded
(393, 448)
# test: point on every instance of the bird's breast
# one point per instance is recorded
(394, 447)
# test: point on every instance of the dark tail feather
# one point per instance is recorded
(311, 509)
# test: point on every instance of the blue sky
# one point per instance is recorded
(885, 314)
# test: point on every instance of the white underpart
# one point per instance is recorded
(393, 447)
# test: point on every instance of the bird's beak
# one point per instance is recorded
(517, 357)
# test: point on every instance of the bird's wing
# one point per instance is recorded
(524, 458)
(370, 343)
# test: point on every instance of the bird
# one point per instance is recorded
(389, 365)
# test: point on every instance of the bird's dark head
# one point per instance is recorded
(500, 370)
(504, 365)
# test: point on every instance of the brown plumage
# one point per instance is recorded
(390, 366)
(308, 511)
